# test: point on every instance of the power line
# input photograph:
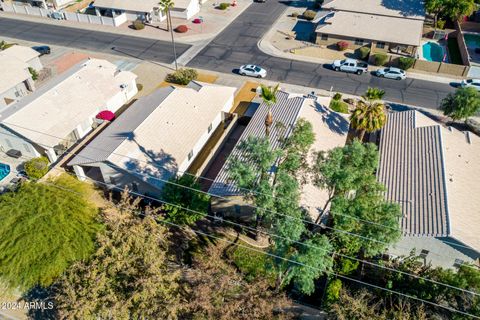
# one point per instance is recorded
(221, 197)
(285, 238)
(314, 268)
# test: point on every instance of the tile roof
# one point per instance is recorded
(412, 169)
(285, 111)
(411, 9)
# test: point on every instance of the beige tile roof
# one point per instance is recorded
(22, 53)
(330, 130)
(172, 129)
(413, 9)
(59, 106)
(433, 173)
(12, 72)
(373, 27)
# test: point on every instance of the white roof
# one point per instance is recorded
(22, 53)
(128, 5)
(172, 129)
(373, 27)
(330, 130)
(13, 71)
(412, 9)
(58, 107)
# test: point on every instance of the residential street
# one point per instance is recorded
(235, 46)
(75, 38)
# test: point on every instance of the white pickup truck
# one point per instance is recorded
(350, 65)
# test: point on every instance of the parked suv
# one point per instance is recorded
(42, 49)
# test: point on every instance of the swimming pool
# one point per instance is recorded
(432, 51)
(472, 40)
(4, 170)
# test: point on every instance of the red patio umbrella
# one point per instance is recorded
(105, 115)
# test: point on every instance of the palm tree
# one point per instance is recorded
(166, 5)
(4, 45)
(373, 94)
(269, 96)
(368, 116)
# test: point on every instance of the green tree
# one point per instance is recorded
(373, 94)
(182, 193)
(4, 45)
(462, 104)
(368, 117)
(166, 6)
(435, 7)
(269, 96)
(342, 169)
(33, 73)
(456, 9)
(36, 167)
(44, 229)
(128, 277)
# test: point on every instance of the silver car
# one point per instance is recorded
(391, 73)
(252, 71)
(471, 83)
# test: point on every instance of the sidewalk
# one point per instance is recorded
(215, 21)
(266, 45)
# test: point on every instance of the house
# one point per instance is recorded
(157, 137)
(16, 80)
(384, 26)
(63, 110)
(432, 172)
(146, 10)
(228, 199)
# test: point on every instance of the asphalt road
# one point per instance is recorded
(237, 45)
(134, 47)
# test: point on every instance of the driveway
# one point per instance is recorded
(237, 45)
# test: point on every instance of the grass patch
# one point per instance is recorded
(339, 106)
(252, 264)
(454, 51)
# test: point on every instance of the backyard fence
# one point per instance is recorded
(71, 16)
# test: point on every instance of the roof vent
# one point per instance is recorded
(123, 86)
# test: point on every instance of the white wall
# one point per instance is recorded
(15, 93)
(35, 63)
(9, 140)
(88, 18)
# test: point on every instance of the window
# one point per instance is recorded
(359, 42)
(190, 155)
(324, 37)
(209, 128)
(380, 45)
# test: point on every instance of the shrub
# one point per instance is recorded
(337, 96)
(379, 59)
(364, 52)
(342, 45)
(309, 15)
(33, 73)
(333, 291)
(295, 14)
(138, 25)
(181, 28)
(36, 167)
(139, 87)
(338, 106)
(441, 24)
(182, 76)
(406, 63)
(223, 6)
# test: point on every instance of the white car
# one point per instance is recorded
(471, 83)
(252, 71)
(391, 73)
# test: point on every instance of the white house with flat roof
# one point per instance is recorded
(15, 78)
(63, 110)
(432, 172)
(157, 137)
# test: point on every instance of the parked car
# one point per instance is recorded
(42, 49)
(252, 71)
(57, 16)
(350, 65)
(471, 83)
(391, 73)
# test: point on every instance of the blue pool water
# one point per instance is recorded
(4, 170)
(432, 52)
(472, 40)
